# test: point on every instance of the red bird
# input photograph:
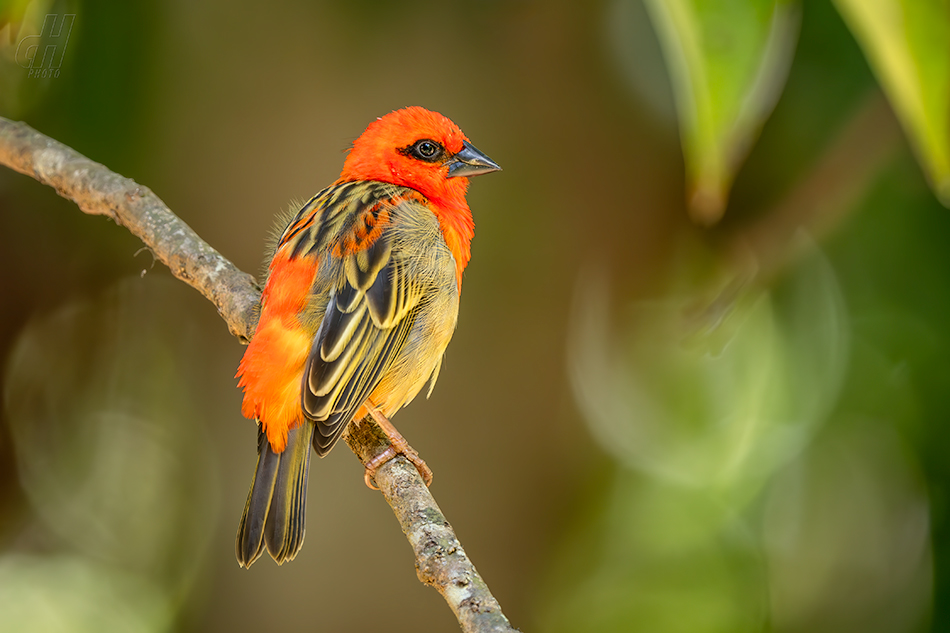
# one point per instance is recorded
(360, 303)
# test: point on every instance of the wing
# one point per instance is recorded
(368, 318)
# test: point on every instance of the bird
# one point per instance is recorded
(360, 301)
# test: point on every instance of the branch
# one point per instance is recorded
(99, 191)
(440, 560)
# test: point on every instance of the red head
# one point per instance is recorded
(420, 149)
(425, 151)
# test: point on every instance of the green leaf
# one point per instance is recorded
(728, 60)
(11, 12)
(907, 43)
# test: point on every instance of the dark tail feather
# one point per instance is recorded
(275, 512)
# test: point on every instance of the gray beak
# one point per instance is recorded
(470, 162)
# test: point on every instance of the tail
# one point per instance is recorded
(275, 512)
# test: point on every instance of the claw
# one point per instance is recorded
(369, 476)
(397, 446)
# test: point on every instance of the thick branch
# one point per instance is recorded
(440, 560)
(99, 191)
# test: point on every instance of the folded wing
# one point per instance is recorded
(370, 314)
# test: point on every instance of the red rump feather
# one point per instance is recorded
(272, 367)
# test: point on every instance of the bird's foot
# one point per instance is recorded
(397, 446)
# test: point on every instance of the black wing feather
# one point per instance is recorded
(365, 324)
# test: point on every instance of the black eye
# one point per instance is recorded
(426, 150)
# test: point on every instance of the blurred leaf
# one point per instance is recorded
(728, 61)
(712, 401)
(11, 13)
(21, 29)
(907, 43)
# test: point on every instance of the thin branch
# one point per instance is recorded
(440, 560)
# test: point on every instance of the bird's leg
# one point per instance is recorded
(397, 446)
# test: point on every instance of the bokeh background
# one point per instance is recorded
(700, 381)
